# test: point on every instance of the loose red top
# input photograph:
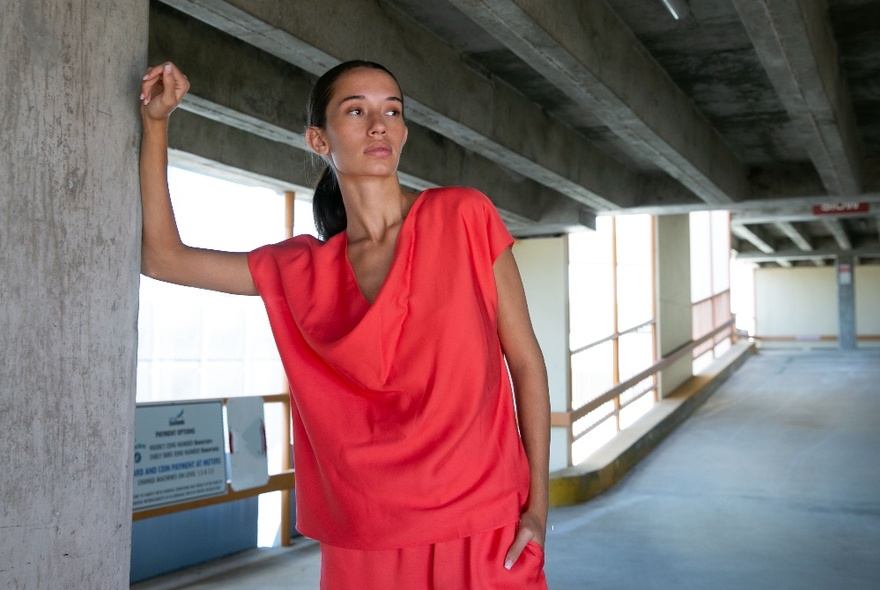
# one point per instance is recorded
(403, 419)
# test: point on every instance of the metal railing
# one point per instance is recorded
(592, 404)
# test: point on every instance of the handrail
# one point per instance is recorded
(285, 480)
(568, 418)
(613, 336)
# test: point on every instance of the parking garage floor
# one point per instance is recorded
(773, 483)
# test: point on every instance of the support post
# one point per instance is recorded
(846, 302)
(69, 271)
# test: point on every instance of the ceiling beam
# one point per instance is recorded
(840, 236)
(794, 235)
(799, 240)
(795, 44)
(495, 121)
(755, 236)
(239, 86)
(586, 51)
(796, 254)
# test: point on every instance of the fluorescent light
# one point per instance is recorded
(677, 8)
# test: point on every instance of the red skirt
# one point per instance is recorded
(470, 563)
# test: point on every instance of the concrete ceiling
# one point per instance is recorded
(564, 109)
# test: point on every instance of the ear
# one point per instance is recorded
(316, 141)
(405, 136)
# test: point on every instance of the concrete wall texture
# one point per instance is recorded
(69, 258)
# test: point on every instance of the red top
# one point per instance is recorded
(403, 419)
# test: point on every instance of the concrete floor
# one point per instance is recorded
(773, 483)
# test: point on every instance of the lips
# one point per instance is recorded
(379, 149)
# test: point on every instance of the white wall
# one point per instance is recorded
(802, 302)
(867, 282)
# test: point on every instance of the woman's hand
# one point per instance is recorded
(531, 528)
(162, 90)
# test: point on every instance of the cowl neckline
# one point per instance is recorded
(402, 247)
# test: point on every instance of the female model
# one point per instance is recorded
(397, 331)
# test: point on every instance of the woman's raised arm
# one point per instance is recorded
(163, 255)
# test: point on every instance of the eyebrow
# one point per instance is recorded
(362, 97)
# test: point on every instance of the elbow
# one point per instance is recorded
(149, 268)
(154, 265)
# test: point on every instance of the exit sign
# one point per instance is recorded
(838, 208)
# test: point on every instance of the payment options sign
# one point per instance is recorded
(179, 453)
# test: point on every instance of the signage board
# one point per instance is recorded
(179, 453)
(841, 208)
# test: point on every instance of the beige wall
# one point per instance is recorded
(867, 281)
(802, 302)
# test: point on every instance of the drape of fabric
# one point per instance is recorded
(471, 563)
(403, 419)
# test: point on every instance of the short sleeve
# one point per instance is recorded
(498, 237)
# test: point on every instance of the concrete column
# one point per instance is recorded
(543, 264)
(69, 258)
(846, 302)
(673, 297)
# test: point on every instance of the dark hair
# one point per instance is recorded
(327, 206)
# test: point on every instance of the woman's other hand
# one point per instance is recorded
(531, 528)
(162, 89)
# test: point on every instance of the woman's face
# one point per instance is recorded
(364, 131)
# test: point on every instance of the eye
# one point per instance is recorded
(355, 111)
(393, 112)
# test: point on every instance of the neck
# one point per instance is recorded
(373, 206)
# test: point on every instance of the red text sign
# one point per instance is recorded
(838, 208)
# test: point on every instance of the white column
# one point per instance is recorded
(543, 264)
(673, 293)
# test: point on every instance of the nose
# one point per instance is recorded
(377, 125)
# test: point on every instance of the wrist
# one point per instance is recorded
(153, 123)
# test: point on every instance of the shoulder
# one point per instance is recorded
(292, 249)
(458, 201)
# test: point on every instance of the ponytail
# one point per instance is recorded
(327, 206)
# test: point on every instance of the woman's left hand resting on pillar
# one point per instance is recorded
(163, 255)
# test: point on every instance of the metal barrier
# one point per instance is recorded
(713, 323)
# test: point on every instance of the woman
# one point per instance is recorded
(397, 334)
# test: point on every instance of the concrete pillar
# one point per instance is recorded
(846, 302)
(673, 293)
(543, 264)
(69, 258)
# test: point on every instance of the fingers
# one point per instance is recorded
(523, 536)
(166, 83)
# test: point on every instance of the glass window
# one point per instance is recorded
(635, 293)
(720, 251)
(196, 344)
(701, 255)
(591, 285)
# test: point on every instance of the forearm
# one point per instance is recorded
(161, 238)
(533, 414)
